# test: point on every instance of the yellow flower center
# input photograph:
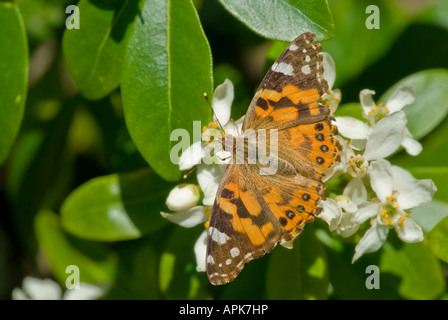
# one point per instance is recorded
(356, 165)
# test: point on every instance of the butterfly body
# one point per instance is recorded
(258, 204)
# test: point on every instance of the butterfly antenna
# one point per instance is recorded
(213, 111)
(185, 176)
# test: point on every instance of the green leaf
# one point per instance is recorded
(300, 273)
(167, 70)
(431, 98)
(94, 53)
(178, 278)
(435, 13)
(437, 240)
(439, 175)
(284, 19)
(354, 47)
(96, 264)
(417, 268)
(116, 207)
(13, 75)
(428, 215)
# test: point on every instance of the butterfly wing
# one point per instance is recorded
(241, 226)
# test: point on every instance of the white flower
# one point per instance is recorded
(47, 289)
(346, 212)
(380, 123)
(397, 192)
(222, 102)
(333, 97)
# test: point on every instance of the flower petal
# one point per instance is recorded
(191, 157)
(187, 219)
(381, 179)
(410, 232)
(366, 99)
(386, 136)
(209, 177)
(331, 213)
(352, 128)
(222, 101)
(412, 146)
(182, 197)
(329, 69)
(86, 291)
(41, 289)
(414, 194)
(200, 250)
(403, 96)
(372, 240)
(366, 211)
(356, 190)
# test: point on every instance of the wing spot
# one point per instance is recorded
(234, 252)
(283, 221)
(290, 214)
(306, 69)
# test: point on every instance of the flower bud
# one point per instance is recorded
(183, 197)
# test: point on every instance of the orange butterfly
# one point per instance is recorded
(252, 212)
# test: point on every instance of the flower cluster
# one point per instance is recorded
(376, 190)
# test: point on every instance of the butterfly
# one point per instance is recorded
(252, 212)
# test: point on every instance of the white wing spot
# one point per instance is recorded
(228, 261)
(217, 235)
(307, 59)
(285, 68)
(306, 69)
(210, 259)
(234, 252)
(293, 47)
(304, 51)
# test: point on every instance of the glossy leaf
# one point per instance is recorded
(116, 207)
(96, 264)
(94, 53)
(428, 215)
(13, 75)
(168, 68)
(438, 239)
(419, 271)
(284, 19)
(431, 98)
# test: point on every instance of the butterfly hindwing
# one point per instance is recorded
(241, 227)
